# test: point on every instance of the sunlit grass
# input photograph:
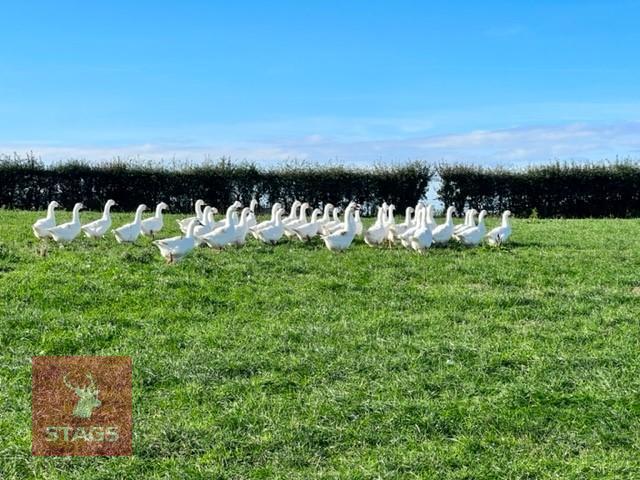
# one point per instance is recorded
(293, 362)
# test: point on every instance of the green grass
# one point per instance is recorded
(293, 362)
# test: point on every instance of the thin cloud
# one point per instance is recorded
(508, 147)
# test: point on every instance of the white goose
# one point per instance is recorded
(207, 225)
(399, 229)
(41, 227)
(310, 229)
(342, 239)
(407, 236)
(101, 226)
(234, 216)
(131, 231)
(184, 223)
(422, 237)
(151, 226)
(377, 232)
(267, 223)
(293, 214)
(272, 233)
(431, 223)
(226, 233)
(501, 234)
(174, 249)
(325, 216)
(334, 224)
(68, 231)
(469, 221)
(390, 223)
(473, 236)
(442, 233)
(242, 228)
(359, 225)
(301, 220)
(252, 220)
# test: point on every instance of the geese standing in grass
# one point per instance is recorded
(407, 236)
(151, 226)
(341, 240)
(98, 228)
(184, 223)
(226, 233)
(390, 224)
(267, 223)
(399, 229)
(422, 237)
(473, 236)
(442, 233)
(307, 231)
(501, 234)
(272, 233)
(301, 220)
(332, 224)
(377, 232)
(328, 208)
(131, 231)
(66, 232)
(42, 226)
(208, 224)
(469, 221)
(242, 228)
(293, 214)
(175, 248)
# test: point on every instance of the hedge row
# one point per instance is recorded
(557, 190)
(26, 183)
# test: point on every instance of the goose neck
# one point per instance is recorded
(138, 217)
(76, 213)
(51, 211)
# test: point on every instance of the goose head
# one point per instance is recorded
(253, 205)
(294, 209)
(161, 206)
(54, 204)
(192, 226)
(315, 214)
(450, 211)
(246, 211)
(483, 213)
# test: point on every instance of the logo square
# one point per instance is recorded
(81, 406)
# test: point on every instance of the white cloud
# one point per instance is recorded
(508, 147)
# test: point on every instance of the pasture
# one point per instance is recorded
(294, 362)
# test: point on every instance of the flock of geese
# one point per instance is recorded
(418, 232)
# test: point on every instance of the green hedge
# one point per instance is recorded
(557, 190)
(26, 183)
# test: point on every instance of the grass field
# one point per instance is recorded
(293, 362)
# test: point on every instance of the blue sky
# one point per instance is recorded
(506, 83)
